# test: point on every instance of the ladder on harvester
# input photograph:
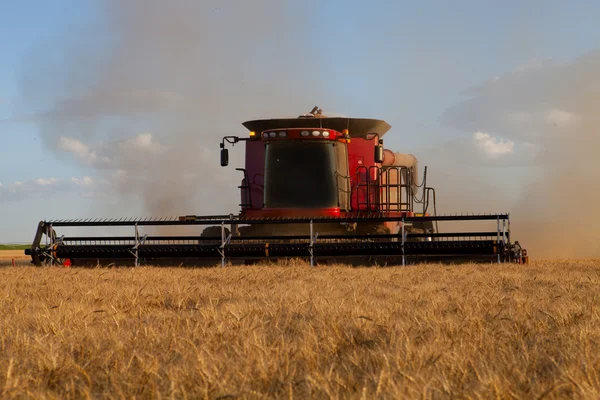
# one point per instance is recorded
(384, 189)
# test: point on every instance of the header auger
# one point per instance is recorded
(314, 187)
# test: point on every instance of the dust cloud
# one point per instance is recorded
(143, 96)
(549, 109)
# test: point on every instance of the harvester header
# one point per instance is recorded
(315, 187)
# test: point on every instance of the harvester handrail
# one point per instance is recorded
(68, 239)
(274, 220)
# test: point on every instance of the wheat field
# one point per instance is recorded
(291, 331)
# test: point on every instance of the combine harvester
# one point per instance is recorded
(314, 187)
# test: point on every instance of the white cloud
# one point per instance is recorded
(144, 142)
(73, 145)
(562, 118)
(112, 154)
(46, 181)
(85, 181)
(80, 150)
(492, 146)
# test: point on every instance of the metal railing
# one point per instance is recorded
(312, 244)
(384, 189)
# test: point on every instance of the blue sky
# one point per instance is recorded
(406, 62)
(26, 28)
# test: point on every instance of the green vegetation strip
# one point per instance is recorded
(14, 246)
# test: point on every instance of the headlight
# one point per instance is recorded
(282, 134)
(273, 134)
(305, 133)
(316, 133)
(326, 134)
(266, 135)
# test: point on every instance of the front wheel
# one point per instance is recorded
(213, 232)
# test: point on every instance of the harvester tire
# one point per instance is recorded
(214, 231)
(372, 229)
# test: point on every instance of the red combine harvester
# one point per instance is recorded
(315, 187)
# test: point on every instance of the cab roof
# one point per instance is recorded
(357, 127)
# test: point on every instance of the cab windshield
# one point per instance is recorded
(300, 174)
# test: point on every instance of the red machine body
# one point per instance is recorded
(364, 185)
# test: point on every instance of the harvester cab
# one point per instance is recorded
(315, 187)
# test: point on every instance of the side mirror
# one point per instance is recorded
(224, 157)
(379, 152)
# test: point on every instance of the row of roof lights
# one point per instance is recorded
(267, 135)
(274, 134)
(315, 133)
